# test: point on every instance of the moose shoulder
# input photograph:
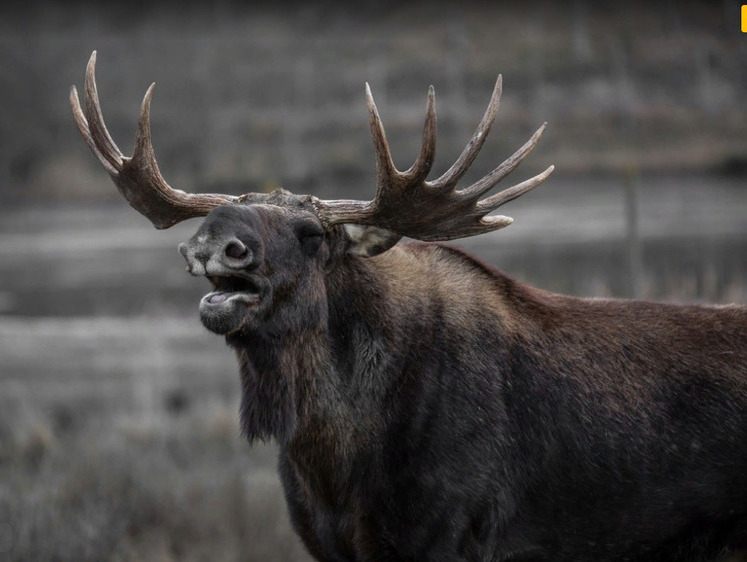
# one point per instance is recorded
(428, 407)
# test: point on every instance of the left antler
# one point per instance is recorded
(409, 205)
(137, 177)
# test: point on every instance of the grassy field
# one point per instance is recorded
(139, 487)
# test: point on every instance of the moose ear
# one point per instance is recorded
(369, 241)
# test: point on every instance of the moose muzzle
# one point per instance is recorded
(231, 265)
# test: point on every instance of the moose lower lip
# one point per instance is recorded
(218, 298)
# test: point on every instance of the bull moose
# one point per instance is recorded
(427, 406)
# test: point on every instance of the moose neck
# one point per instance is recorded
(335, 375)
(328, 376)
(274, 377)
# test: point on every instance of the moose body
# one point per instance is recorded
(443, 411)
(428, 407)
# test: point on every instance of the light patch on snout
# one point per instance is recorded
(214, 266)
(194, 266)
(197, 267)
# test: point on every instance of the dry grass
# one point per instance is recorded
(187, 489)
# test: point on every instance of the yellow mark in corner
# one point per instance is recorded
(744, 18)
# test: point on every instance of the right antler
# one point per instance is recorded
(409, 205)
(137, 178)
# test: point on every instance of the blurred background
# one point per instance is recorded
(119, 412)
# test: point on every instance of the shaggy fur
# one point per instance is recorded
(428, 407)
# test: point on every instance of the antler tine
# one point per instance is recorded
(422, 166)
(450, 178)
(82, 123)
(143, 153)
(138, 178)
(384, 164)
(99, 132)
(483, 185)
(494, 201)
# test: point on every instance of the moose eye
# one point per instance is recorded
(310, 235)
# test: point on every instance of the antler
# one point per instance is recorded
(137, 178)
(434, 210)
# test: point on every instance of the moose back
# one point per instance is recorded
(429, 407)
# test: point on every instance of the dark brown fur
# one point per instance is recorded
(428, 407)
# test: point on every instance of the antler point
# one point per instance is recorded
(149, 92)
(496, 221)
(369, 98)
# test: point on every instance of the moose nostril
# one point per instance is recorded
(236, 250)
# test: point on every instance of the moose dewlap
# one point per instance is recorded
(428, 407)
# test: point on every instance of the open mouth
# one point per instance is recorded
(230, 287)
(235, 300)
